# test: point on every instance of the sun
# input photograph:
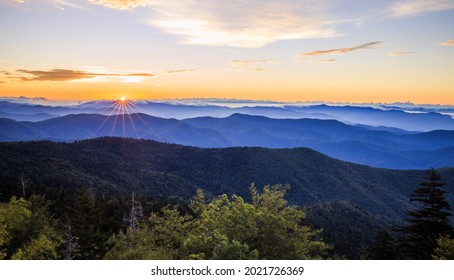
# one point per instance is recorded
(122, 99)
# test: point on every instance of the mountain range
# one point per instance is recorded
(403, 117)
(378, 147)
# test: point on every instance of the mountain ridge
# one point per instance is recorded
(346, 142)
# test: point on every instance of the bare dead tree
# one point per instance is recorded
(70, 240)
(135, 214)
(24, 181)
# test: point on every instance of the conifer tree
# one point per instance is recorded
(86, 225)
(429, 221)
(383, 247)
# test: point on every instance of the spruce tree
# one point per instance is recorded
(86, 225)
(383, 247)
(428, 221)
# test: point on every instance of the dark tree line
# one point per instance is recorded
(87, 224)
(427, 232)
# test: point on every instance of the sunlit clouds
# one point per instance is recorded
(371, 45)
(235, 23)
(343, 50)
(417, 7)
(65, 75)
(122, 4)
(448, 43)
(250, 65)
(400, 53)
(179, 71)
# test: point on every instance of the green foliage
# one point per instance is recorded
(159, 238)
(86, 225)
(42, 247)
(135, 245)
(445, 249)
(429, 221)
(225, 228)
(27, 230)
(347, 227)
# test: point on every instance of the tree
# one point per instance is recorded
(27, 230)
(383, 247)
(429, 221)
(445, 249)
(266, 229)
(136, 244)
(86, 225)
(161, 237)
(23, 182)
(135, 214)
(70, 240)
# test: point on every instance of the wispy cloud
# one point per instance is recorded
(257, 69)
(250, 65)
(371, 45)
(416, 7)
(63, 4)
(244, 63)
(179, 71)
(400, 53)
(448, 43)
(65, 75)
(122, 4)
(328, 60)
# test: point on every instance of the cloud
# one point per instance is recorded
(236, 23)
(65, 75)
(179, 71)
(243, 63)
(257, 69)
(416, 7)
(400, 53)
(371, 45)
(63, 4)
(122, 4)
(248, 65)
(328, 60)
(448, 43)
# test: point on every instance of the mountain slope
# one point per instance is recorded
(141, 166)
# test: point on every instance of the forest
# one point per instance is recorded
(90, 200)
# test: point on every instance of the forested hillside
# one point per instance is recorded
(334, 193)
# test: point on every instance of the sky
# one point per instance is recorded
(288, 50)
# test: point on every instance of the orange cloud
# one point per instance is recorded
(122, 4)
(400, 53)
(448, 43)
(63, 75)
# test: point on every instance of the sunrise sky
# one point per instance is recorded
(287, 50)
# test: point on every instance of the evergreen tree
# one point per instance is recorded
(86, 225)
(428, 222)
(383, 247)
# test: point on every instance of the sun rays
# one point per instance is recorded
(123, 112)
